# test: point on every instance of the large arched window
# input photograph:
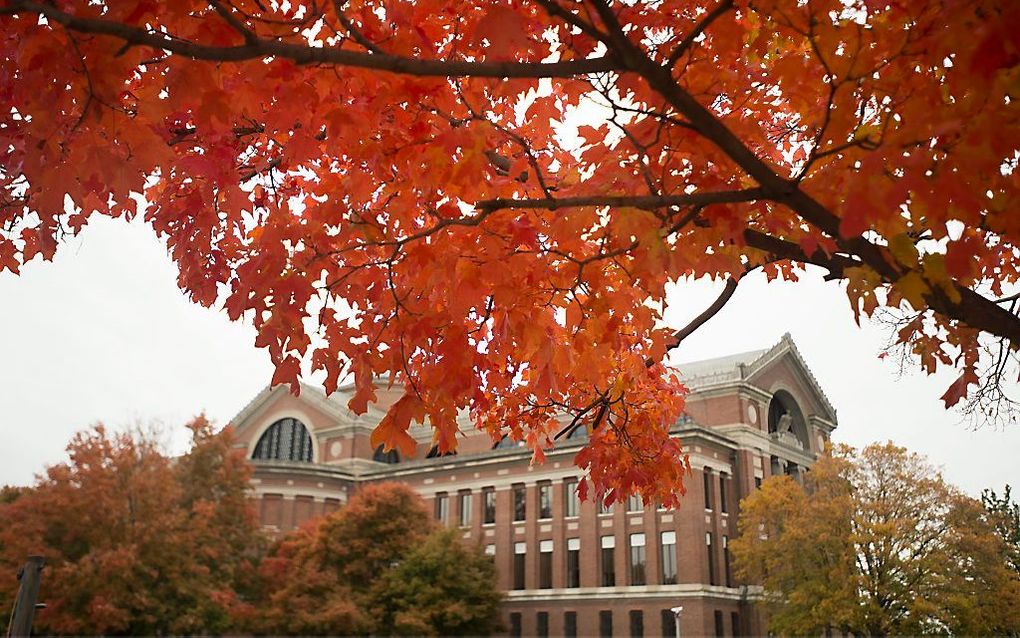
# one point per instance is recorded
(390, 457)
(785, 417)
(285, 440)
(506, 443)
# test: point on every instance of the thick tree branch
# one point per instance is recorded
(689, 39)
(645, 202)
(972, 308)
(303, 54)
(708, 313)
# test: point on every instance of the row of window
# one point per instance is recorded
(607, 565)
(571, 501)
(637, 561)
(636, 622)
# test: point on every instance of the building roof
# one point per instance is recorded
(705, 373)
(696, 375)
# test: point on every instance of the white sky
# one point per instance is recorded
(103, 334)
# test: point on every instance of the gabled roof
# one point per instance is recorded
(737, 367)
(695, 374)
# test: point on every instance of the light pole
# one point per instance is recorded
(676, 614)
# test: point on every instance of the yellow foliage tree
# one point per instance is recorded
(875, 543)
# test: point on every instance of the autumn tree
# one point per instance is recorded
(488, 200)
(136, 542)
(876, 543)
(380, 565)
(441, 587)
(1004, 513)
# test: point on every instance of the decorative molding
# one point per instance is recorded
(683, 590)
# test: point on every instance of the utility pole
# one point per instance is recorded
(24, 604)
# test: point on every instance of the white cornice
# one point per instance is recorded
(683, 590)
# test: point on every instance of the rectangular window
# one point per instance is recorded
(605, 624)
(637, 559)
(465, 509)
(669, 558)
(668, 623)
(490, 550)
(542, 624)
(757, 482)
(637, 624)
(608, 567)
(442, 507)
(707, 476)
(605, 508)
(723, 482)
(726, 561)
(570, 624)
(711, 559)
(735, 623)
(634, 503)
(545, 500)
(573, 562)
(488, 505)
(570, 498)
(718, 624)
(545, 560)
(520, 552)
(520, 500)
(515, 624)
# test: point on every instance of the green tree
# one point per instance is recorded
(136, 542)
(442, 587)
(380, 565)
(877, 543)
(1005, 514)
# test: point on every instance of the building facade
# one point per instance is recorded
(568, 568)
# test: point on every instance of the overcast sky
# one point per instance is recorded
(103, 334)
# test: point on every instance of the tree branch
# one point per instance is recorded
(301, 54)
(688, 41)
(644, 202)
(708, 313)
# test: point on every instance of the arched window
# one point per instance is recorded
(506, 443)
(433, 453)
(285, 440)
(390, 457)
(785, 417)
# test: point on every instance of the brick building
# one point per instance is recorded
(568, 568)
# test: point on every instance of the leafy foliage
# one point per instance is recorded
(442, 587)
(393, 186)
(380, 566)
(136, 542)
(1005, 515)
(876, 543)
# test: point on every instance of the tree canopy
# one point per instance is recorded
(382, 566)
(876, 543)
(136, 542)
(487, 200)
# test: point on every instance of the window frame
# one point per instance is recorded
(442, 507)
(573, 579)
(545, 501)
(545, 564)
(488, 506)
(637, 559)
(520, 502)
(607, 561)
(571, 500)
(464, 497)
(664, 576)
